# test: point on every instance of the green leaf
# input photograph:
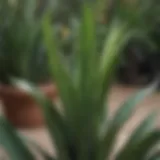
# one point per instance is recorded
(86, 75)
(114, 43)
(54, 120)
(86, 61)
(13, 145)
(155, 156)
(30, 9)
(139, 134)
(44, 154)
(87, 57)
(143, 148)
(59, 73)
(120, 117)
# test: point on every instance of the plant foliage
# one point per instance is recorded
(21, 45)
(141, 55)
(84, 130)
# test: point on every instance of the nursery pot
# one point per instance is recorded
(21, 109)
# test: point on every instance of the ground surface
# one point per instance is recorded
(118, 95)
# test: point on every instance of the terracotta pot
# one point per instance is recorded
(21, 109)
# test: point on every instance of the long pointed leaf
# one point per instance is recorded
(87, 60)
(59, 72)
(120, 118)
(113, 45)
(13, 145)
(87, 56)
(54, 120)
(142, 149)
(139, 134)
(44, 154)
(115, 41)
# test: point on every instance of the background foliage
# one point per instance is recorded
(22, 52)
(142, 54)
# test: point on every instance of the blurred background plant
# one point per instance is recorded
(21, 49)
(141, 56)
(140, 61)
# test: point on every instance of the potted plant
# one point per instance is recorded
(83, 129)
(22, 55)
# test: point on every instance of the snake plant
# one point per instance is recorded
(83, 129)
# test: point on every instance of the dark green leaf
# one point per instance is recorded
(139, 134)
(87, 56)
(13, 145)
(143, 148)
(64, 82)
(155, 156)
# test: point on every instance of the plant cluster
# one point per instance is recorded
(22, 51)
(141, 54)
(84, 130)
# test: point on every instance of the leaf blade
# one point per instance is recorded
(139, 134)
(8, 139)
(63, 81)
(121, 116)
(53, 119)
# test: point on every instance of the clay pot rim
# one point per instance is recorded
(48, 88)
